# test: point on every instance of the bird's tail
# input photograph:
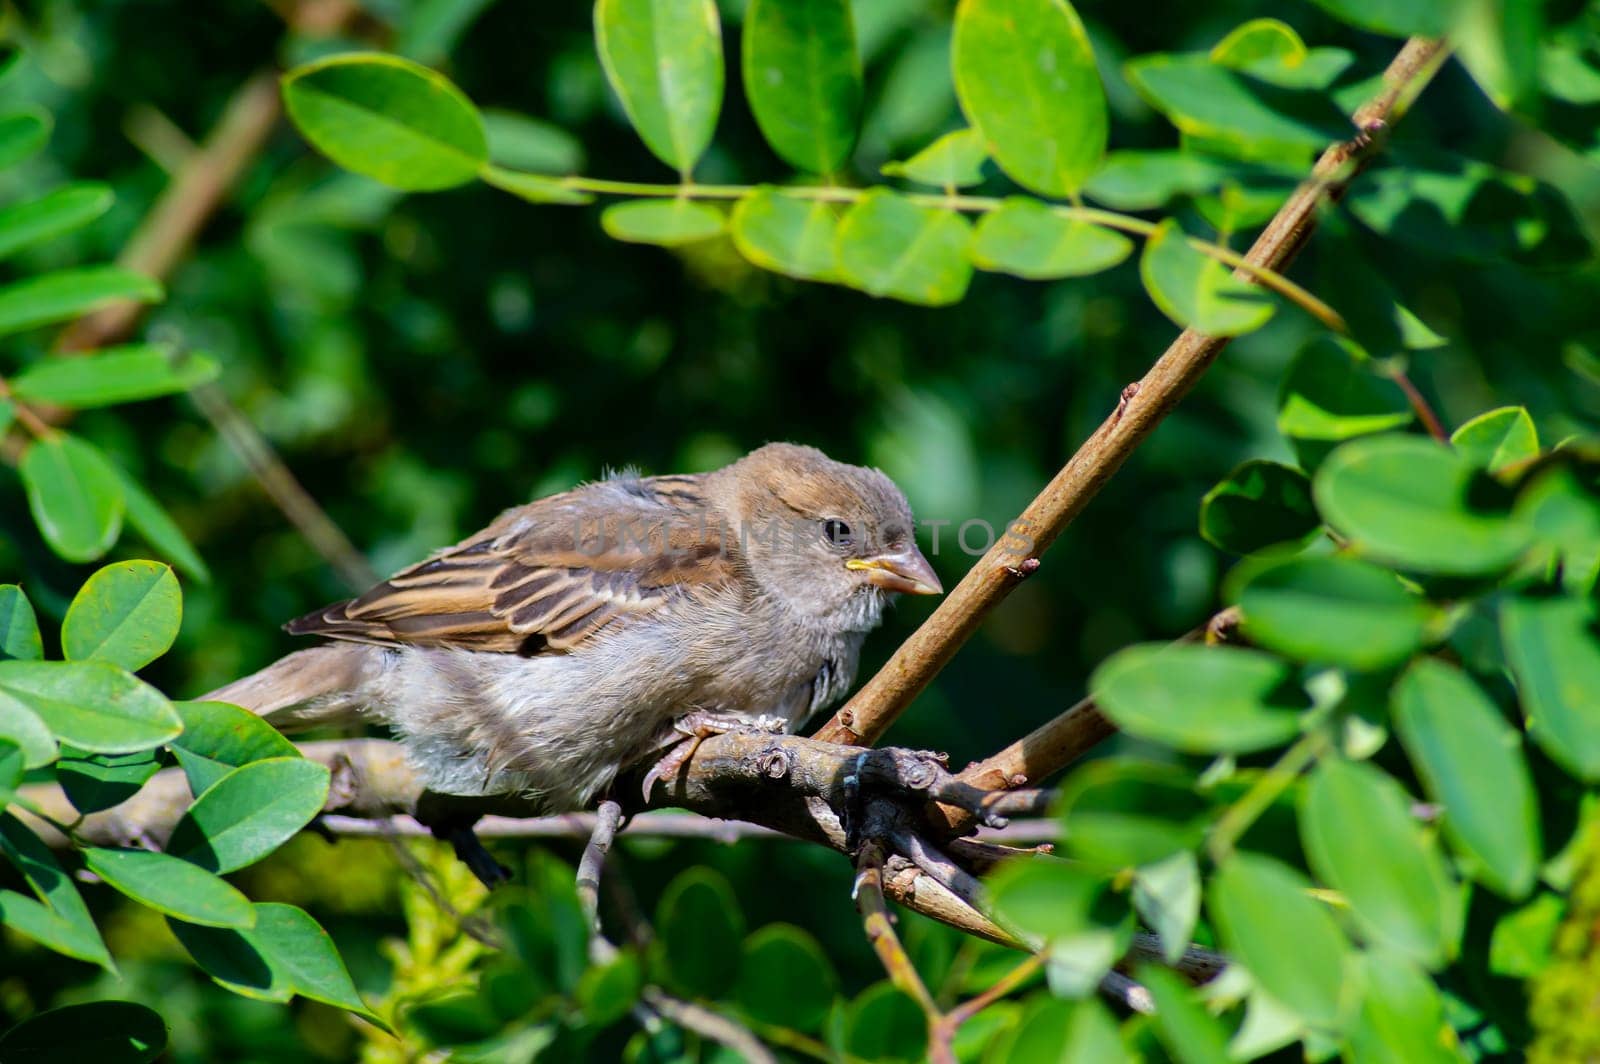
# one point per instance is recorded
(305, 689)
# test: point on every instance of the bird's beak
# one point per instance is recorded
(904, 570)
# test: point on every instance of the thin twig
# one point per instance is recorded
(592, 865)
(945, 1030)
(1127, 992)
(1420, 405)
(713, 1025)
(1239, 816)
(867, 715)
(874, 910)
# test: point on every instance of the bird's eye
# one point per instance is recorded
(836, 532)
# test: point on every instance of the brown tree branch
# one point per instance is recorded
(1145, 404)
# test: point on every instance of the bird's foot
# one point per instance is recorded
(695, 728)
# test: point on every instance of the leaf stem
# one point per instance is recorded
(1239, 816)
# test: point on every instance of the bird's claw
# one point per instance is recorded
(696, 727)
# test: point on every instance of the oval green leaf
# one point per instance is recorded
(66, 294)
(1414, 503)
(115, 375)
(91, 704)
(667, 222)
(218, 738)
(697, 917)
(56, 212)
(1026, 78)
(664, 61)
(1190, 1033)
(785, 979)
(884, 1024)
(1470, 761)
(1402, 1018)
(786, 234)
(93, 782)
(19, 627)
(127, 614)
(1288, 942)
(63, 922)
(955, 160)
(1328, 395)
(172, 886)
(1555, 655)
(23, 727)
(1498, 439)
(1199, 699)
(1400, 18)
(1026, 238)
(1119, 812)
(886, 245)
(1198, 292)
(1362, 841)
(1066, 1032)
(802, 76)
(388, 118)
(250, 812)
(1334, 610)
(1259, 505)
(107, 1032)
(75, 496)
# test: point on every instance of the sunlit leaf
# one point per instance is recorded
(1498, 438)
(1335, 610)
(1554, 650)
(56, 212)
(786, 234)
(75, 495)
(955, 160)
(889, 246)
(19, 627)
(250, 812)
(218, 738)
(1195, 290)
(114, 375)
(126, 614)
(171, 886)
(1026, 238)
(91, 704)
(71, 293)
(63, 922)
(668, 222)
(664, 60)
(388, 118)
(802, 76)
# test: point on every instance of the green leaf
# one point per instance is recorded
(1188, 1032)
(1272, 51)
(1289, 943)
(1145, 180)
(1166, 896)
(114, 375)
(172, 886)
(75, 496)
(250, 812)
(664, 61)
(218, 737)
(107, 1032)
(388, 118)
(955, 160)
(91, 704)
(1327, 395)
(12, 767)
(1259, 505)
(22, 727)
(1361, 840)
(523, 143)
(285, 953)
(1026, 78)
(1400, 18)
(1521, 944)
(1555, 655)
(888, 246)
(56, 212)
(608, 991)
(22, 133)
(535, 188)
(1207, 100)
(1198, 292)
(1412, 502)
(1119, 812)
(66, 294)
(1200, 699)
(668, 222)
(1498, 439)
(1067, 1032)
(1333, 610)
(146, 516)
(884, 1024)
(50, 929)
(697, 916)
(63, 922)
(1402, 1019)
(785, 979)
(94, 782)
(126, 614)
(1027, 238)
(1470, 761)
(786, 234)
(802, 76)
(19, 628)
(1047, 898)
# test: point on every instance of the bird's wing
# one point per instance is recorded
(547, 575)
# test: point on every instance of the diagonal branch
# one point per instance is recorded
(1145, 404)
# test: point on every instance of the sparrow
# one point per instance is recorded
(581, 633)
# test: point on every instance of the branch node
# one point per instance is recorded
(1023, 569)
